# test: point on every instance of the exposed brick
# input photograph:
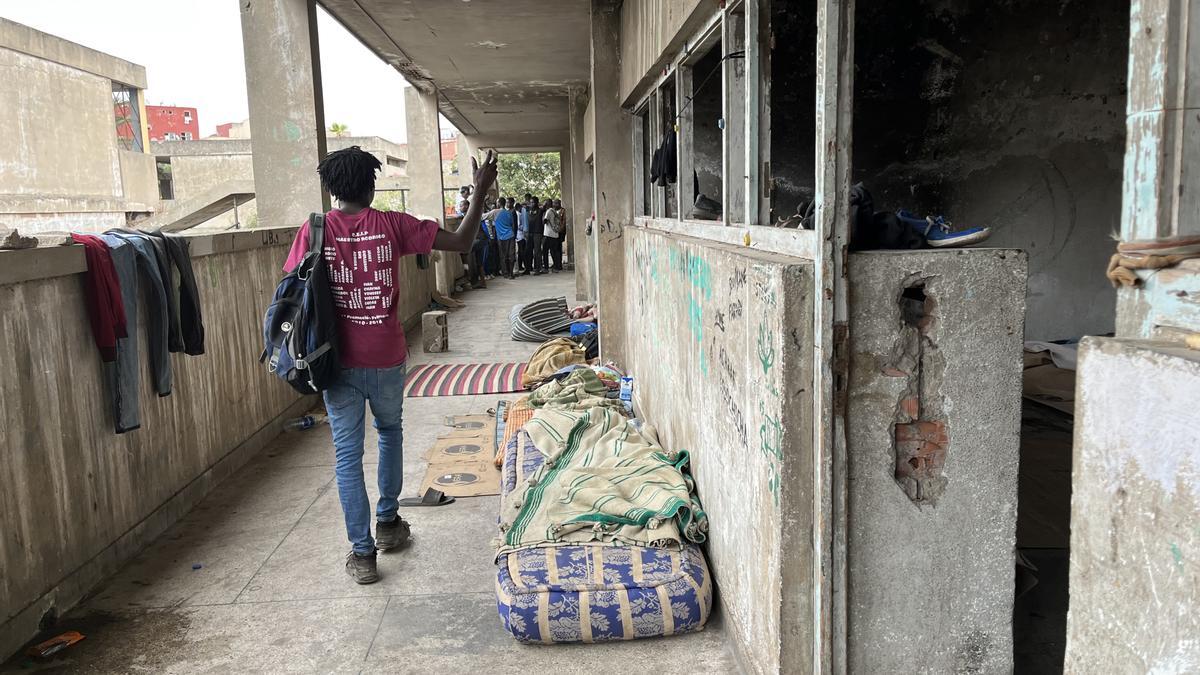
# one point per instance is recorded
(920, 455)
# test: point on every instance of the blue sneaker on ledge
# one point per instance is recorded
(937, 231)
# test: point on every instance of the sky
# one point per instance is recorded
(192, 51)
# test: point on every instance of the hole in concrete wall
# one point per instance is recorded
(912, 306)
(920, 439)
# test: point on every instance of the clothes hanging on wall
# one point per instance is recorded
(190, 321)
(158, 306)
(664, 164)
(122, 376)
(102, 290)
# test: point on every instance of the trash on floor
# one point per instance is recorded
(55, 644)
(305, 422)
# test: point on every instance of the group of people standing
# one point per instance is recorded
(517, 240)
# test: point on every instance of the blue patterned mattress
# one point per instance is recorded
(596, 593)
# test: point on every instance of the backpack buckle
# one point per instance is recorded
(301, 364)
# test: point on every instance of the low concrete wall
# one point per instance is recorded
(933, 429)
(719, 341)
(1135, 506)
(77, 500)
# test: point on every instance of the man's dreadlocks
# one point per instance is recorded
(349, 174)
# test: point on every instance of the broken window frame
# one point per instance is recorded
(735, 150)
(643, 195)
(738, 23)
(129, 97)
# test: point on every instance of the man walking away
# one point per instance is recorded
(535, 236)
(363, 248)
(503, 219)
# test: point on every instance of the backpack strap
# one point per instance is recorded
(316, 232)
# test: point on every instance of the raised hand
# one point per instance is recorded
(484, 175)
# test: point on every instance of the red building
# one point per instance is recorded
(171, 123)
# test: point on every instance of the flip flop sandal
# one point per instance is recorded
(431, 497)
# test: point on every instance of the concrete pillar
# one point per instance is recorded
(425, 175)
(580, 188)
(1135, 505)
(1162, 158)
(613, 161)
(287, 119)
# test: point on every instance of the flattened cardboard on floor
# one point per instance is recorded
(460, 426)
(455, 449)
(470, 478)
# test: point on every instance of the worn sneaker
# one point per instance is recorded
(706, 208)
(361, 568)
(938, 233)
(390, 535)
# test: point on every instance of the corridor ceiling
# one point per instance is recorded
(502, 67)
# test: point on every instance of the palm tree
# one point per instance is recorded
(338, 129)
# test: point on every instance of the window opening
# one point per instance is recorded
(127, 118)
(706, 105)
(166, 183)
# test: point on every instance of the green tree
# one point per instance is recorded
(339, 130)
(534, 172)
(396, 200)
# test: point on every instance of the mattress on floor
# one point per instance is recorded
(583, 593)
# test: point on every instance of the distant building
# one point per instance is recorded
(233, 130)
(74, 155)
(172, 123)
(188, 171)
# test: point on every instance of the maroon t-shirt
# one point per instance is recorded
(362, 253)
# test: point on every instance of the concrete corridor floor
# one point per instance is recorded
(271, 595)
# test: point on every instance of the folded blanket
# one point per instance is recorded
(604, 481)
(581, 390)
(551, 357)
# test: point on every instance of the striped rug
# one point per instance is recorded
(464, 379)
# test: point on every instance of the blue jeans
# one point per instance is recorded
(345, 401)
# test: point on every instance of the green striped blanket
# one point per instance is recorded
(604, 481)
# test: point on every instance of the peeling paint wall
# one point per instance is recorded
(720, 348)
(79, 500)
(1008, 114)
(1135, 510)
(932, 442)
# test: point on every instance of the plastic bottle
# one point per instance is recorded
(304, 423)
(627, 393)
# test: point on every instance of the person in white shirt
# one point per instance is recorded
(554, 233)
